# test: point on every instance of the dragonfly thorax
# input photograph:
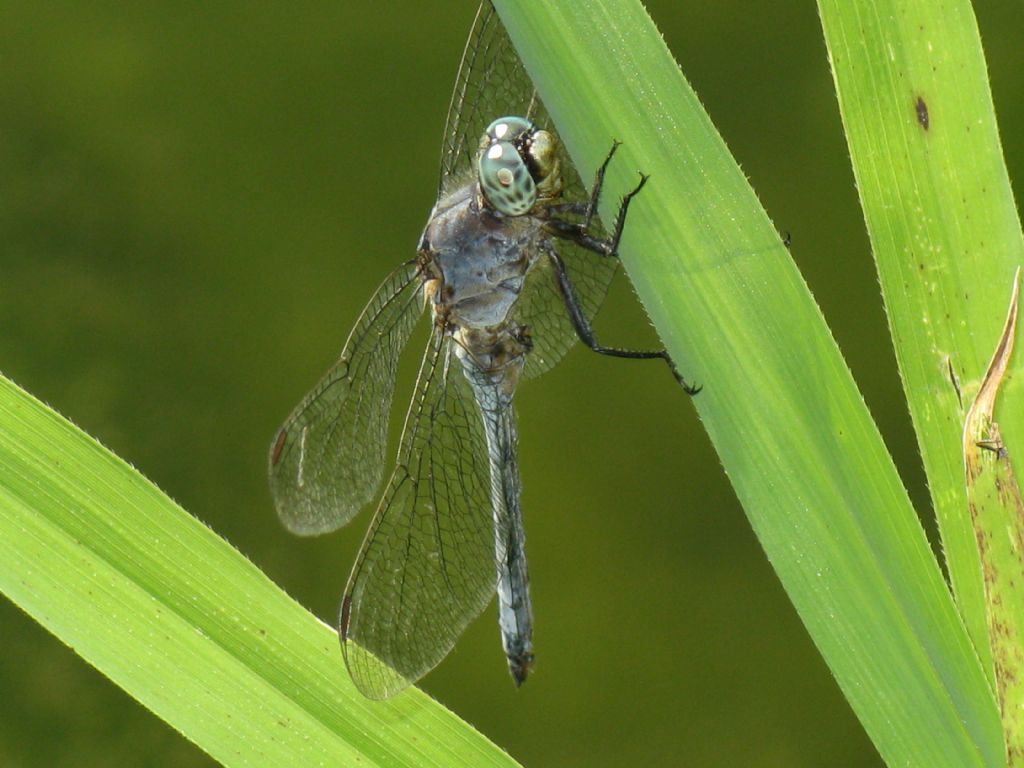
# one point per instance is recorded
(478, 258)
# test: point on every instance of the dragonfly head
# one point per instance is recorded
(518, 164)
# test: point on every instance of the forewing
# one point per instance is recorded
(426, 568)
(493, 83)
(327, 461)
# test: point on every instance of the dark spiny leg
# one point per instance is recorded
(576, 233)
(589, 208)
(620, 220)
(586, 332)
(580, 233)
(595, 189)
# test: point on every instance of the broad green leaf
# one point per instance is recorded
(185, 624)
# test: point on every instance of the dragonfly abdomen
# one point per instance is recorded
(515, 614)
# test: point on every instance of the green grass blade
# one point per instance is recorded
(182, 621)
(920, 123)
(780, 405)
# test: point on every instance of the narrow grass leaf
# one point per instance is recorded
(921, 127)
(997, 514)
(779, 402)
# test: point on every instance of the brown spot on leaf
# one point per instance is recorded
(922, 113)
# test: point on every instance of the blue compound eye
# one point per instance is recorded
(505, 178)
(509, 129)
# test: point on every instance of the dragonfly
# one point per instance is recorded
(512, 266)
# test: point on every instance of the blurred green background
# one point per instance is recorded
(195, 201)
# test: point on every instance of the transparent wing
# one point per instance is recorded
(426, 568)
(327, 461)
(493, 83)
(541, 306)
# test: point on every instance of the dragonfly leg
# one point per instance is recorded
(577, 233)
(595, 188)
(620, 219)
(586, 332)
(588, 208)
(580, 233)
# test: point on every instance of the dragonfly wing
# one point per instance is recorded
(327, 461)
(541, 306)
(426, 567)
(491, 83)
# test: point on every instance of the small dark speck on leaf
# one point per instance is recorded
(955, 382)
(922, 113)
